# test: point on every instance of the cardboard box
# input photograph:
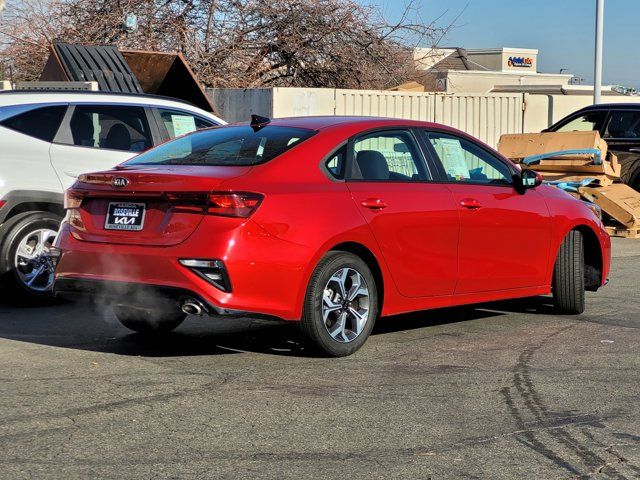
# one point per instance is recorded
(519, 146)
(606, 168)
(601, 180)
(620, 201)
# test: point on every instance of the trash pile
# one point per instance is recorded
(579, 163)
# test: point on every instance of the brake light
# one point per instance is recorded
(233, 204)
(72, 199)
(226, 204)
(2, 203)
(186, 202)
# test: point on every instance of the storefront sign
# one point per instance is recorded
(520, 62)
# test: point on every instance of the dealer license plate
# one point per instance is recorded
(125, 216)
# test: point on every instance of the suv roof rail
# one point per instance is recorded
(98, 92)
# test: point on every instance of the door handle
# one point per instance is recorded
(374, 203)
(470, 203)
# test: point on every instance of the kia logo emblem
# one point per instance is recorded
(120, 182)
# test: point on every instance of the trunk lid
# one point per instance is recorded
(154, 206)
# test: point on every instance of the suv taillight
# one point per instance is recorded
(226, 204)
(72, 199)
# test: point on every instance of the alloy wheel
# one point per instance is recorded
(345, 305)
(33, 263)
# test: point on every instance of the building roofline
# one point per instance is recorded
(475, 51)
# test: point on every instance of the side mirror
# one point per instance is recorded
(529, 179)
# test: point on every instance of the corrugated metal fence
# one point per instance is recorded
(484, 116)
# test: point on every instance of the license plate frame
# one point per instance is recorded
(129, 218)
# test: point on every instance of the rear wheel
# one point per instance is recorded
(630, 171)
(568, 275)
(341, 305)
(148, 320)
(26, 266)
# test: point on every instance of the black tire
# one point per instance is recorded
(12, 232)
(148, 320)
(568, 275)
(630, 173)
(313, 325)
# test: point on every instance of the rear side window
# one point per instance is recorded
(111, 127)
(336, 163)
(625, 124)
(387, 156)
(179, 123)
(225, 146)
(41, 123)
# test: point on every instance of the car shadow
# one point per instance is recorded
(86, 327)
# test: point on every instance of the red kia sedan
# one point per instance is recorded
(326, 221)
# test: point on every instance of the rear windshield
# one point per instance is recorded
(225, 146)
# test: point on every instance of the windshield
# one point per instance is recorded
(225, 146)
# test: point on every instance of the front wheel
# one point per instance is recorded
(568, 275)
(148, 320)
(341, 305)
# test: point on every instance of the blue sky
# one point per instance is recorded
(562, 31)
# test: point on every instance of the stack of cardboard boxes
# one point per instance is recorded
(580, 163)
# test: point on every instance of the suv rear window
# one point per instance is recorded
(225, 146)
(41, 123)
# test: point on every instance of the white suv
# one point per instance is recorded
(46, 140)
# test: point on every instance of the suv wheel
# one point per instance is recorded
(26, 267)
(148, 320)
(568, 275)
(341, 305)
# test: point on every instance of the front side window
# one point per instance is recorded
(41, 123)
(464, 161)
(225, 146)
(585, 123)
(623, 124)
(111, 127)
(178, 123)
(387, 156)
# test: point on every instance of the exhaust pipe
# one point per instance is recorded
(191, 306)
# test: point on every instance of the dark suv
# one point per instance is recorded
(619, 125)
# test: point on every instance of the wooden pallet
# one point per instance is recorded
(623, 232)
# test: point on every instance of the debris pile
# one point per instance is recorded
(579, 163)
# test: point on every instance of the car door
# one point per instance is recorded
(174, 122)
(413, 219)
(98, 137)
(26, 132)
(505, 235)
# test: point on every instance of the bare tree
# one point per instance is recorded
(233, 43)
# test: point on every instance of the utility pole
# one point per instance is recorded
(597, 71)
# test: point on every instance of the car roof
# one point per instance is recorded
(26, 97)
(611, 106)
(328, 121)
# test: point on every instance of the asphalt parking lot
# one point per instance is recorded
(505, 390)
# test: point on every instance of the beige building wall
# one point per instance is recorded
(472, 81)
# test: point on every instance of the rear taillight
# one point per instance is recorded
(2, 203)
(233, 204)
(227, 204)
(72, 199)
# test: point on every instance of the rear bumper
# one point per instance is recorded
(144, 294)
(265, 272)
